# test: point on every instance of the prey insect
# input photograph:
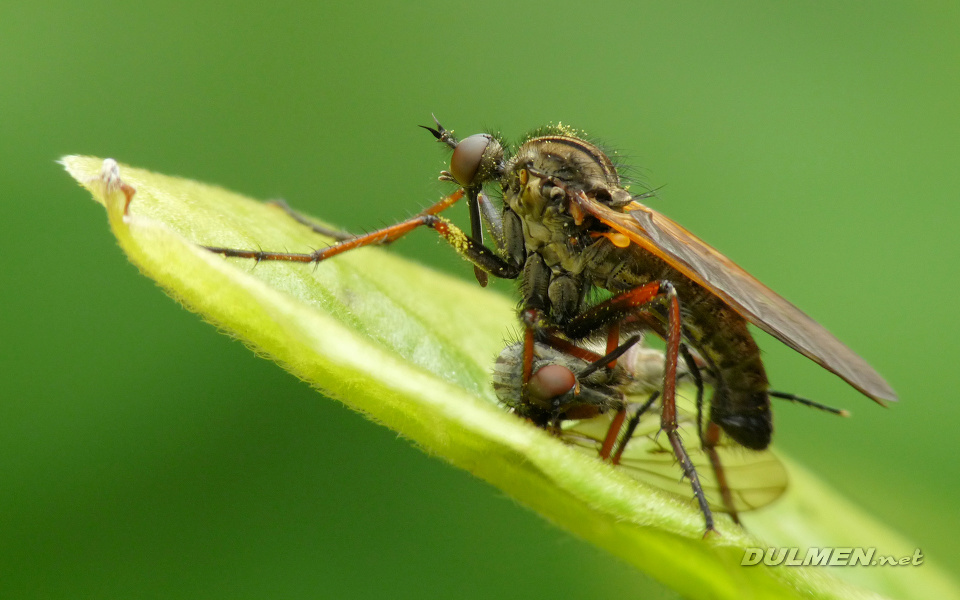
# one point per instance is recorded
(567, 226)
(584, 400)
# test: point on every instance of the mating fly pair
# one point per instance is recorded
(568, 227)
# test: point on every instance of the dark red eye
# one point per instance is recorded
(467, 157)
(551, 381)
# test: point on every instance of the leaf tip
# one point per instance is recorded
(105, 184)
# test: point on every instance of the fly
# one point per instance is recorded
(568, 226)
(583, 402)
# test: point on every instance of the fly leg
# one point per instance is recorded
(710, 440)
(608, 361)
(811, 403)
(376, 238)
(476, 228)
(482, 210)
(643, 408)
(316, 227)
(652, 297)
(631, 427)
(478, 254)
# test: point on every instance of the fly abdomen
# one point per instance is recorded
(740, 404)
(743, 415)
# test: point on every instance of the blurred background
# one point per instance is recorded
(143, 454)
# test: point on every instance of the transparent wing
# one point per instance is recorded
(754, 479)
(756, 302)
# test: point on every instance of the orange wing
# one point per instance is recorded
(741, 291)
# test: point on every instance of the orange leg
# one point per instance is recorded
(612, 312)
(482, 257)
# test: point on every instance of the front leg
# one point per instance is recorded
(478, 254)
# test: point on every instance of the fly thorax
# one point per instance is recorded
(539, 185)
(547, 226)
(569, 159)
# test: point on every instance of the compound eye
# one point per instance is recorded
(551, 381)
(467, 157)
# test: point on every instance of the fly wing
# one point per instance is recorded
(754, 301)
(753, 478)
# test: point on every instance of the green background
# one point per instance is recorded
(143, 454)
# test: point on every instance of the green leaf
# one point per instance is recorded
(413, 349)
